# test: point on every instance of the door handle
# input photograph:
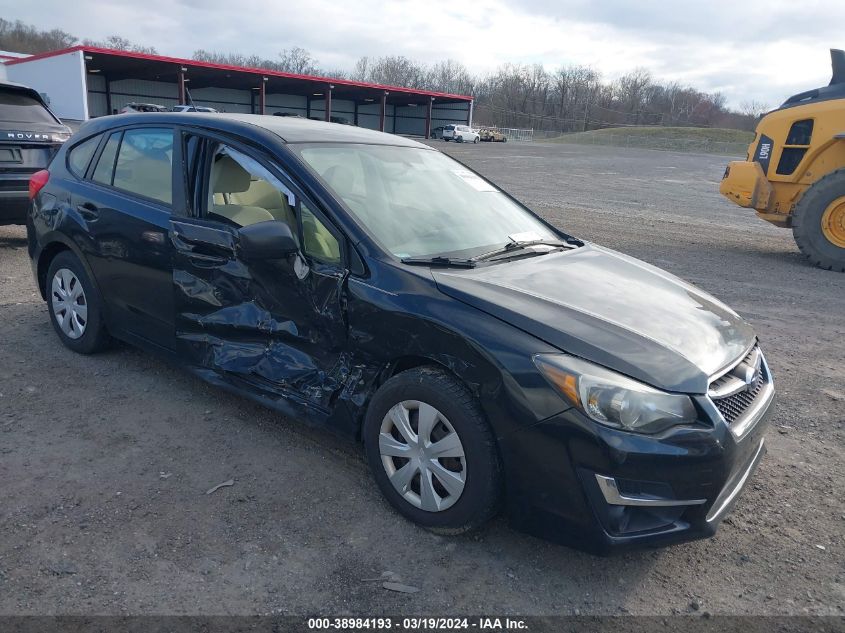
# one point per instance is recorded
(88, 211)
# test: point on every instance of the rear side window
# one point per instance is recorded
(145, 163)
(105, 165)
(18, 107)
(80, 155)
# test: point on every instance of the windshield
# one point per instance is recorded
(418, 202)
(18, 107)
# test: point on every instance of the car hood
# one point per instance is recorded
(611, 309)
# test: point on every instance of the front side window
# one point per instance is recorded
(242, 191)
(145, 163)
(317, 240)
(418, 202)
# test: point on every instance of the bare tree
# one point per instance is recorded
(297, 60)
(119, 43)
(362, 69)
(25, 38)
(753, 109)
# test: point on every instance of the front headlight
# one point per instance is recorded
(613, 399)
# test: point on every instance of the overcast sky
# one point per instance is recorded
(763, 50)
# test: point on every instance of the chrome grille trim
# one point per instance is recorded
(736, 400)
(727, 368)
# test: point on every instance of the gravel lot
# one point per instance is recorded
(105, 460)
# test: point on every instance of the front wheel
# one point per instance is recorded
(475, 140)
(818, 223)
(431, 451)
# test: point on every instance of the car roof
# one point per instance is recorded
(11, 85)
(289, 129)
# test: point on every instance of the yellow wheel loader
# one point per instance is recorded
(794, 174)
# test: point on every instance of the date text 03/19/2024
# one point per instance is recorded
(417, 624)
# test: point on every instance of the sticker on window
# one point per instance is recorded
(477, 183)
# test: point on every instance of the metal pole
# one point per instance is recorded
(262, 96)
(382, 114)
(428, 117)
(328, 109)
(181, 86)
(108, 96)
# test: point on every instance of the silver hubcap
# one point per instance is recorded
(70, 307)
(422, 455)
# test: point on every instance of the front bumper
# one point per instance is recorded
(603, 490)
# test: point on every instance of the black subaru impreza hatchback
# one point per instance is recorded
(363, 281)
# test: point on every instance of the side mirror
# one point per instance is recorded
(266, 240)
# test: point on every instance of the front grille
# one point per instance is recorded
(732, 394)
(734, 406)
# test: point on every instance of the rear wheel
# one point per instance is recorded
(431, 451)
(74, 305)
(818, 223)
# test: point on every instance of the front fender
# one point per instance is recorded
(491, 357)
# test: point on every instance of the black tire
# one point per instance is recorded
(460, 139)
(475, 139)
(807, 222)
(95, 337)
(480, 498)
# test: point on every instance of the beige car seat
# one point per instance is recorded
(263, 194)
(228, 177)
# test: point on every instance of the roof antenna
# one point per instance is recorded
(191, 101)
(837, 60)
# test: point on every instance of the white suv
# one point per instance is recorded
(190, 108)
(460, 134)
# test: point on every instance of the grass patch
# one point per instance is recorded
(689, 139)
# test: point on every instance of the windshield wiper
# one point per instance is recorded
(440, 260)
(512, 247)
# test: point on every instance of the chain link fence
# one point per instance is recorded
(511, 133)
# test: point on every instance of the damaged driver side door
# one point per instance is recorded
(273, 326)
